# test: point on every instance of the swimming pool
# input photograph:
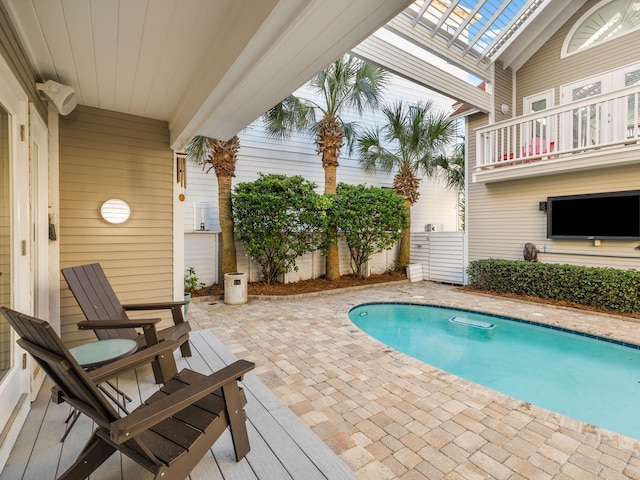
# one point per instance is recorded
(593, 380)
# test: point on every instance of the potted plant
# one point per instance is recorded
(191, 284)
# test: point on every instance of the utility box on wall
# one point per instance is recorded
(201, 220)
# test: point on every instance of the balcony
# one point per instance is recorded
(597, 132)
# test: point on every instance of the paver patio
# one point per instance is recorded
(387, 416)
(390, 416)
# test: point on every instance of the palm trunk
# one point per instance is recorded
(229, 261)
(333, 253)
(404, 254)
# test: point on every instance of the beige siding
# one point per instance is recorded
(503, 87)
(503, 216)
(13, 52)
(546, 70)
(105, 155)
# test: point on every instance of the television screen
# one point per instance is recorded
(612, 215)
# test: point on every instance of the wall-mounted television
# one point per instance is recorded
(611, 215)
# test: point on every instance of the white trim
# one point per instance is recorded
(39, 229)
(178, 239)
(53, 124)
(578, 24)
(15, 384)
(548, 95)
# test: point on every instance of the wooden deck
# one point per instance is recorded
(282, 447)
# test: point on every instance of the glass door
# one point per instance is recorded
(6, 337)
(632, 110)
(15, 290)
(539, 135)
(602, 122)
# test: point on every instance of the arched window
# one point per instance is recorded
(607, 20)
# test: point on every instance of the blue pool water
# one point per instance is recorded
(587, 378)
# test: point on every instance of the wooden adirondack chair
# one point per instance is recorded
(168, 435)
(107, 317)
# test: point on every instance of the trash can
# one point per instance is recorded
(235, 288)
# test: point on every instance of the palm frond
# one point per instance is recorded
(452, 168)
(198, 150)
(350, 134)
(291, 115)
(373, 156)
(414, 136)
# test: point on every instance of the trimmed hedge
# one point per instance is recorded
(606, 288)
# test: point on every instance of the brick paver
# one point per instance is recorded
(390, 416)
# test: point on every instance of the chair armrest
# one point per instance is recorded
(141, 357)
(175, 307)
(154, 306)
(106, 324)
(148, 327)
(145, 417)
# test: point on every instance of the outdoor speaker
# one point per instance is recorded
(62, 96)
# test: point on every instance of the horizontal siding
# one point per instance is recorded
(298, 156)
(106, 155)
(503, 216)
(534, 76)
(441, 255)
(16, 57)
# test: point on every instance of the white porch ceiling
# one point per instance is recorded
(207, 67)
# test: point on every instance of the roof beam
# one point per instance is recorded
(394, 59)
(401, 26)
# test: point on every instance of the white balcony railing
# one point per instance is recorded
(601, 122)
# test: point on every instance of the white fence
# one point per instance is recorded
(436, 256)
(201, 251)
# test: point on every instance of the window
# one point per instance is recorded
(609, 19)
(539, 134)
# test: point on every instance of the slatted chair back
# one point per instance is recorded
(39, 339)
(96, 298)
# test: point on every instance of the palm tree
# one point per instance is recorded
(221, 156)
(348, 83)
(413, 141)
(453, 173)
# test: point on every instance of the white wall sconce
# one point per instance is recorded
(62, 96)
(504, 108)
(115, 211)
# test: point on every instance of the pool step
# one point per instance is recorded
(472, 323)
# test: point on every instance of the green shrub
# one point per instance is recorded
(277, 219)
(606, 288)
(371, 220)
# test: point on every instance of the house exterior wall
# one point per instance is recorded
(503, 88)
(502, 216)
(106, 155)
(297, 156)
(546, 70)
